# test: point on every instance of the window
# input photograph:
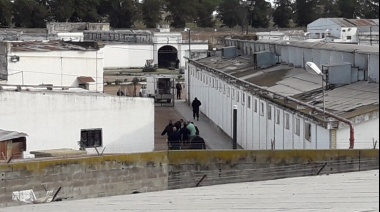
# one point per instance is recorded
(220, 86)
(224, 88)
(298, 126)
(308, 131)
(287, 124)
(278, 113)
(249, 101)
(255, 106)
(349, 37)
(262, 108)
(237, 96)
(216, 84)
(242, 98)
(269, 112)
(228, 91)
(91, 138)
(344, 30)
(233, 93)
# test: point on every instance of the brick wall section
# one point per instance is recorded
(99, 176)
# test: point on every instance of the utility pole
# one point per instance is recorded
(188, 69)
(248, 5)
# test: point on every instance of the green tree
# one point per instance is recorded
(181, 12)
(5, 13)
(121, 13)
(85, 11)
(368, 9)
(283, 13)
(205, 10)
(328, 9)
(259, 16)
(151, 12)
(305, 12)
(62, 11)
(230, 13)
(348, 8)
(30, 13)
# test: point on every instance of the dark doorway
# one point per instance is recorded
(167, 56)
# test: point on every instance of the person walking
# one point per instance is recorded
(169, 129)
(196, 104)
(179, 90)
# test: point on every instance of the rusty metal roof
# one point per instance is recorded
(44, 46)
(9, 135)
(86, 79)
(342, 22)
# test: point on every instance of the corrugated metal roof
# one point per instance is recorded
(348, 98)
(296, 82)
(324, 46)
(342, 22)
(9, 135)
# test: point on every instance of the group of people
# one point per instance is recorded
(180, 131)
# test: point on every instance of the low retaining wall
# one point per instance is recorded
(99, 176)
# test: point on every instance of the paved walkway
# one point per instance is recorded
(347, 192)
(214, 137)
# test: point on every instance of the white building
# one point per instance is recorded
(132, 48)
(57, 63)
(278, 105)
(341, 30)
(56, 119)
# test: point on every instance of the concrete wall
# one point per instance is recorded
(124, 55)
(60, 68)
(366, 132)
(127, 55)
(54, 120)
(92, 177)
(3, 62)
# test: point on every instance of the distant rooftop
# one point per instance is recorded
(43, 46)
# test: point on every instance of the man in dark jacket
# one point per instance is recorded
(174, 140)
(168, 129)
(179, 90)
(185, 133)
(178, 124)
(196, 104)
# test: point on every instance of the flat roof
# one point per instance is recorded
(57, 45)
(358, 191)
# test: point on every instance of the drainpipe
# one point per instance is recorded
(346, 121)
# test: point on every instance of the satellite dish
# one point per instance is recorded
(312, 68)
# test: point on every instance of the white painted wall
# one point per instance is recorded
(255, 130)
(135, 55)
(60, 68)
(127, 55)
(54, 120)
(322, 27)
(365, 133)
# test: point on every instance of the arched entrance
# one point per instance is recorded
(166, 56)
